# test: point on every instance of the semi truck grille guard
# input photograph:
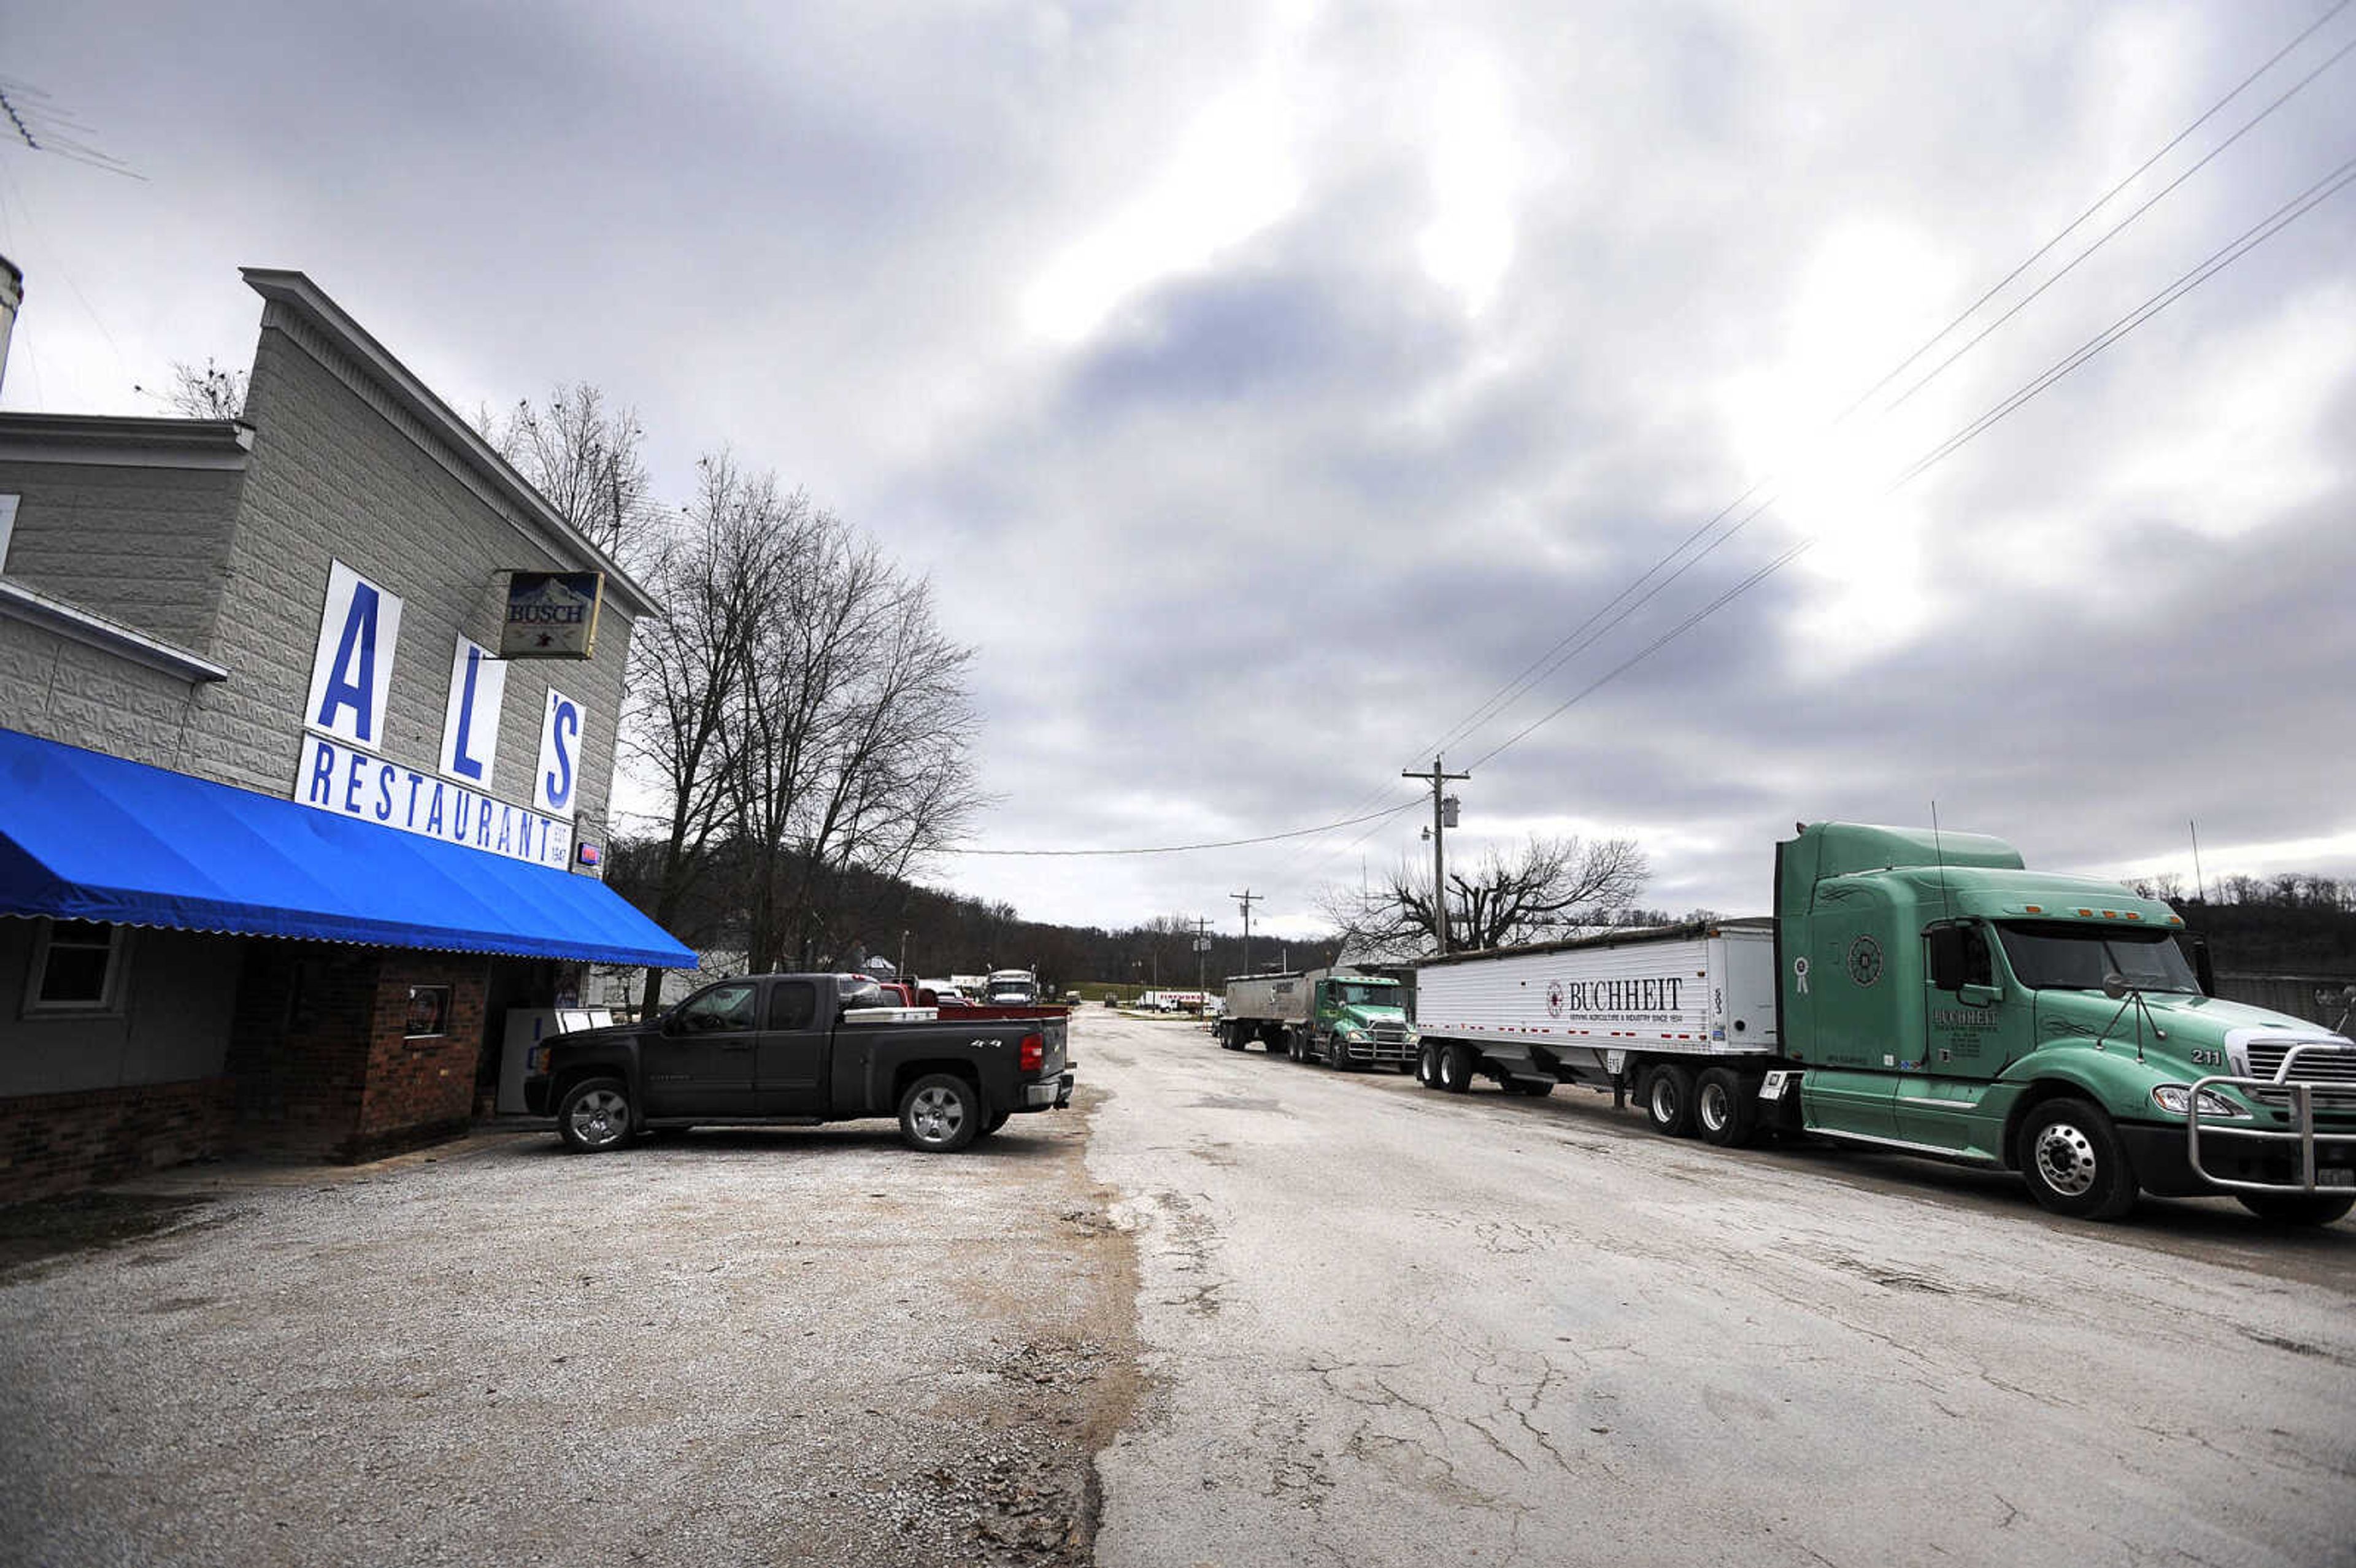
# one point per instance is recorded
(2334, 1084)
(1382, 1045)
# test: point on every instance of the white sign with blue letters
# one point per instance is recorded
(340, 772)
(553, 787)
(351, 670)
(470, 723)
(340, 778)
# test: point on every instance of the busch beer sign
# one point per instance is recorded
(551, 614)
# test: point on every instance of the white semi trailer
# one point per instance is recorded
(1603, 1012)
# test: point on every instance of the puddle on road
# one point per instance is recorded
(1233, 1103)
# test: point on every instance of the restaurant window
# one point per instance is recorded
(78, 967)
(429, 1012)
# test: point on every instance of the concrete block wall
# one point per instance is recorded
(339, 471)
(145, 545)
(60, 690)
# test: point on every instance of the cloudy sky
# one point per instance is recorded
(1266, 387)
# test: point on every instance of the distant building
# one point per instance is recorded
(281, 834)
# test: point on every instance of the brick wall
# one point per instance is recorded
(321, 1059)
(421, 1089)
(61, 1143)
(298, 1049)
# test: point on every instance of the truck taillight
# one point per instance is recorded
(1032, 1053)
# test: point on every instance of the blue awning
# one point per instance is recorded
(84, 836)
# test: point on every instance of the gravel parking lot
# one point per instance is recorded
(1279, 1314)
(791, 1345)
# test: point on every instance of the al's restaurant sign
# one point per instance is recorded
(342, 769)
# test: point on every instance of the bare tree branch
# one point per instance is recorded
(1548, 887)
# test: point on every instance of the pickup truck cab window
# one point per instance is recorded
(722, 1007)
(793, 1003)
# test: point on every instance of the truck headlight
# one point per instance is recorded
(1351, 1031)
(2172, 1097)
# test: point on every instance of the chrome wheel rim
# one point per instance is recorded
(599, 1118)
(936, 1115)
(1664, 1102)
(2065, 1159)
(1712, 1107)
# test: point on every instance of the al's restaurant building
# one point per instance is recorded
(306, 736)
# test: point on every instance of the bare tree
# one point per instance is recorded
(211, 393)
(1548, 886)
(850, 736)
(586, 459)
(713, 570)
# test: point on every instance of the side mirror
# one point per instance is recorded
(1947, 958)
(669, 1022)
(2115, 986)
(2204, 968)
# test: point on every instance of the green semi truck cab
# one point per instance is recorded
(1937, 997)
(1341, 1017)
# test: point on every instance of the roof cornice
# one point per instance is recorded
(118, 441)
(296, 292)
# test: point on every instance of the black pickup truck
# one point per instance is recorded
(796, 1050)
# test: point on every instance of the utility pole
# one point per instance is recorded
(1245, 898)
(1202, 958)
(1443, 818)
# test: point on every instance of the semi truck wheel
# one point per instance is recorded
(2073, 1161)
(1670, 1100)
(1427, 1066)
(594, 1115)
(1231, 1038)
(1725, 1109)
(2297, 1208)
(1456, 1066)
(941, 1113)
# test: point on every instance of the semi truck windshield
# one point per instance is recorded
(1362, 995)
(2054, 956)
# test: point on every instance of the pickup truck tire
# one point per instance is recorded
(940, 1113)
(2297, 1208)
(1725, 1109)
(594, 1115)
(1668, 1096)
(2073, 1162)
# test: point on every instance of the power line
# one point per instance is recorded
(2105, 198)
(2217, 260)
(2116, 228)
(1189, 849)
(1588, 632)
(2250, 238)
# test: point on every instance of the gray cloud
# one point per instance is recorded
(1288, 509)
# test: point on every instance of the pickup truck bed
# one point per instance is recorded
(794, 1050)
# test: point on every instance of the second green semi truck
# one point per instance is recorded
(1927, 992)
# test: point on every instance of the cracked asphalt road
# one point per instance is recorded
(1384, 1326)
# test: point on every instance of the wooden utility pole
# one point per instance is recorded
(1245, 898)
(1439, 824)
